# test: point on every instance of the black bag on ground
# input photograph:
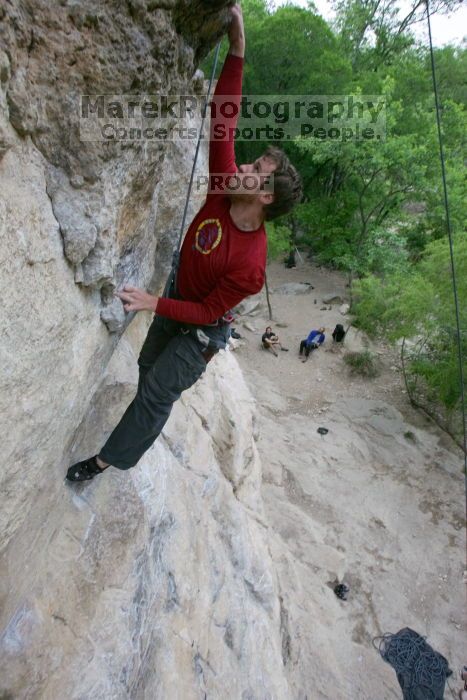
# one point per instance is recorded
(338, 333)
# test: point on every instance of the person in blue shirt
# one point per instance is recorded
(314, 340)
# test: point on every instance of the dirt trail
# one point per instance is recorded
(378, 502)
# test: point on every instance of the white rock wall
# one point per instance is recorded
(155, 582)
(78, 219)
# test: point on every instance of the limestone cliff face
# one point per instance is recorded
(79, 218)
(154, 583)
(105, 197)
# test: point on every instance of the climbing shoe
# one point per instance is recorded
(83, 471)
(341, 591)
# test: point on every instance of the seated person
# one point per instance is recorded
(338, 333)
(270, 340)
(314, 340)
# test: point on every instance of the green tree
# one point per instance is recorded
(278, 240)
(418, 306)
(376, 32)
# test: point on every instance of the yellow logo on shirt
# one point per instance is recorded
(208, 236)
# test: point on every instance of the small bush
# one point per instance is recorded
(362, 363)
(278, 240)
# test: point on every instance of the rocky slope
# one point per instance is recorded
(155, 583)
(378, 501)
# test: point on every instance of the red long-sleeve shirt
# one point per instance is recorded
(219, 263)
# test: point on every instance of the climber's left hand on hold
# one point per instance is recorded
(236, 31)
(135, 299)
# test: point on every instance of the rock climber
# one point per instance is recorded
(314, 340)
(270, 341)
(222, 261)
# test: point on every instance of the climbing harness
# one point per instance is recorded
(421, 671)
(171, 284)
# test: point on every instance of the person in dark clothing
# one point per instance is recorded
(270, 340)
(290, 262)
(222, 261)
(338, 333)
(314, 340)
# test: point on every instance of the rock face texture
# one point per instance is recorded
(78, 218)
(151, 584)
(105, 195)
(158, 582)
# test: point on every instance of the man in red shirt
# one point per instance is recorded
(222, 261)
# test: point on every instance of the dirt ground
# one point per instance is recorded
(377, 502)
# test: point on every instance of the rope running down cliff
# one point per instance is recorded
(451, 248)
(176, 254)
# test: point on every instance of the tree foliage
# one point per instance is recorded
(278, 240)
(375, 208)
(418, 304)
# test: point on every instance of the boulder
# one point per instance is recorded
(357, 341)
(235, 343)
(249, 306)
(294, 288)
(332, 298)
(249, 327)
(344, 309)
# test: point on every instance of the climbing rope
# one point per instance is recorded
(421, 671)
(171, 281)
(451, 249)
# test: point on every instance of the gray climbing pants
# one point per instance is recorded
(172, 359)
